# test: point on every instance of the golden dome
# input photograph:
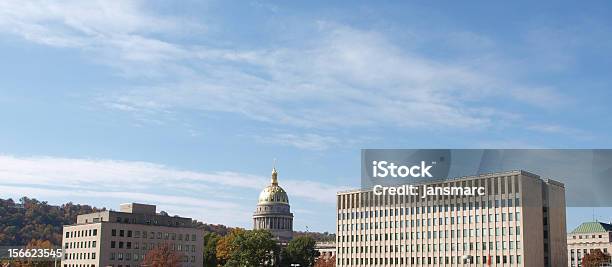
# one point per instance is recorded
(273, 192)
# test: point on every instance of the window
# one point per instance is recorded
(112, 244)
(114, 232)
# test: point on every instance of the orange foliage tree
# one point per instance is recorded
(326, 262)
(595, 259)
(162, 256)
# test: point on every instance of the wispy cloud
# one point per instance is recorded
(121, 34)
(304, 141)
(217, 194)
(345, 77)
(342, 77)
(561, 130)
(212, 211)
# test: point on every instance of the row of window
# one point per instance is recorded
(471, 246)
(120, 256)
(152, 235)
(149, 221)
(80, 244)
(586, 236)
(506, 259)
(81, 233)
(503, 217)
(149, 246)
(80, 256)
(499, 203)
(126, 256)
(498, 231)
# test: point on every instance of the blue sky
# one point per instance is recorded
(186, 105)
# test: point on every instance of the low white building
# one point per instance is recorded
(586, 238)
(123, 238)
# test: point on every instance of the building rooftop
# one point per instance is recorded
(592, 227)
(471, 177)
(135, 213)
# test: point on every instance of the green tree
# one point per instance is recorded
(595, 259)
(253, 248)
(300, 250)
(210, 249)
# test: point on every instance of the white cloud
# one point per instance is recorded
(560, 130)
(79, 175)
(113, 174)
(302, 141)
(77, 23)
(121, 34)
(220, 197)
(211, 211)
(342, 77)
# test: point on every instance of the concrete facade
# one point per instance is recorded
(519, 222)
(122, 239)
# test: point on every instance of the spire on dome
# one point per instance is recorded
(274, 173)
(274, 176)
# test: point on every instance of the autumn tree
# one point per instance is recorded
(35, 244)
(162, 256)
(224, 246)
(595, 259)
(326, 262)
(30, 219)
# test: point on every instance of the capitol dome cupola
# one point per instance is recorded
(273, 212)
(273, 192)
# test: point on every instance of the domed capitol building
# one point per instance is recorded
(273, 212)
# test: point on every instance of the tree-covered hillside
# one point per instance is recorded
(30, 219)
